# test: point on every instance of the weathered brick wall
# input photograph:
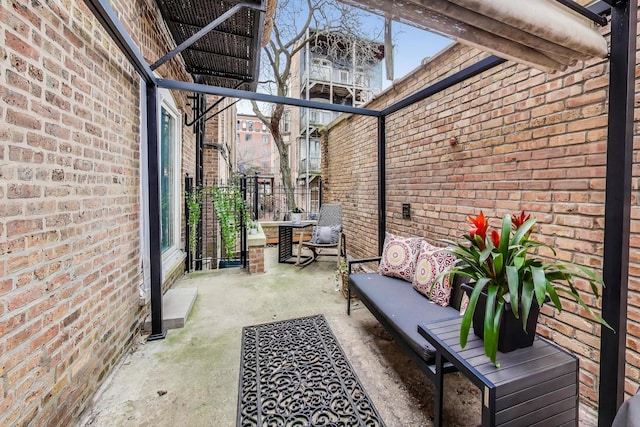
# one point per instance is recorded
(526, 140)
(70, 263)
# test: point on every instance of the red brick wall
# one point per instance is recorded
(526, 140)
(70, 263)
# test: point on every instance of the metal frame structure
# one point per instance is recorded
(618, 178)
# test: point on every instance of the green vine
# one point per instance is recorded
(229, 204)
(194, 203)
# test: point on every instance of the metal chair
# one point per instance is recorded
(329, 224)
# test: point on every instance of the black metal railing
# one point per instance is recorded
(217, 238)
(267, 199)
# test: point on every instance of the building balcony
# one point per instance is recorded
(314, 165)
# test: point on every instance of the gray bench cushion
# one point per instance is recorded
(401, 306)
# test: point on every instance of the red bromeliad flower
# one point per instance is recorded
(480, 226)
(495, 238)
(518, 220)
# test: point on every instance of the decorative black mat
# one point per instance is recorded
(294, 373)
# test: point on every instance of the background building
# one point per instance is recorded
(255, 149)
(332, 68)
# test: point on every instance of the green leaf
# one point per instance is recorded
(498, 263)
(513, 281)
(485, 254)
(521, 232)
(588, 309)
(526, 300)
(504, 235)
(465, 326)
(519, 262)
(492, 321)
(539, 283)
(554, 296)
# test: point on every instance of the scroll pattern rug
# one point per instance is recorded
(294, 373)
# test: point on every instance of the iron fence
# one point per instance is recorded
(267, 201)
(217, 216)
(216, 225)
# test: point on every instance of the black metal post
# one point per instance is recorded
(382, 186)
(188, 188)
(243, 226)
(617, 208)
(256, 206)
(200, 128)
(320, 194)
(158, 331)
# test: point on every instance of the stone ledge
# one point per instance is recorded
(176, 306)
(259, 239)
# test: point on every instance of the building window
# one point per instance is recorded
(250, 126)
(244, 125)
(286, 120)
(264, 127)
(247, 137)
(265, 139)
(169, 172)
(238, 125)
(265, 165)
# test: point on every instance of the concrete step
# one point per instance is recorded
(176, 306)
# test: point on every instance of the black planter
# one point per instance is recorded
(511, 336)
(229, 263)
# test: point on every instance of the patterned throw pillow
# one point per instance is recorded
(429, 264)
(399, 257)
(464, 304)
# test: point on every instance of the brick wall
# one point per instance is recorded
(525, 140)
(70, 263)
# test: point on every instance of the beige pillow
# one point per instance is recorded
(399, 256)
(429, 264)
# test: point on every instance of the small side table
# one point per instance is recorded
(538, 384)
(285, 242)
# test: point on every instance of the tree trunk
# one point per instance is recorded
(273, 123)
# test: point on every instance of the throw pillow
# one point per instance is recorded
(464, 304)
(327, 235)
(423, 279)
(431, 262)
(399, 257)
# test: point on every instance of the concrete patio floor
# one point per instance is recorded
(191, 377)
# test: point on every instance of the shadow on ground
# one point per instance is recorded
(191, 378)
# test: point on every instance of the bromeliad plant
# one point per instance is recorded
(501, 264)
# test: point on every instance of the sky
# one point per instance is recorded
(411, 46)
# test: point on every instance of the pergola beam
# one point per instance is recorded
(263, 97)
(112, 25)
(462, 75)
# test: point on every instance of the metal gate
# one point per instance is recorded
(216, 220)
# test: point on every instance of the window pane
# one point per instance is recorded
(167, 179)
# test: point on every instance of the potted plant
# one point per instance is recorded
(296, 215)
(516, 281)
(252, 226)
(230, 209)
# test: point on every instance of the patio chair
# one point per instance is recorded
(326, 234)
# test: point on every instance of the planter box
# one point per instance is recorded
(229, 263)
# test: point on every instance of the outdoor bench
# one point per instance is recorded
(533, 385)
(400, 309)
